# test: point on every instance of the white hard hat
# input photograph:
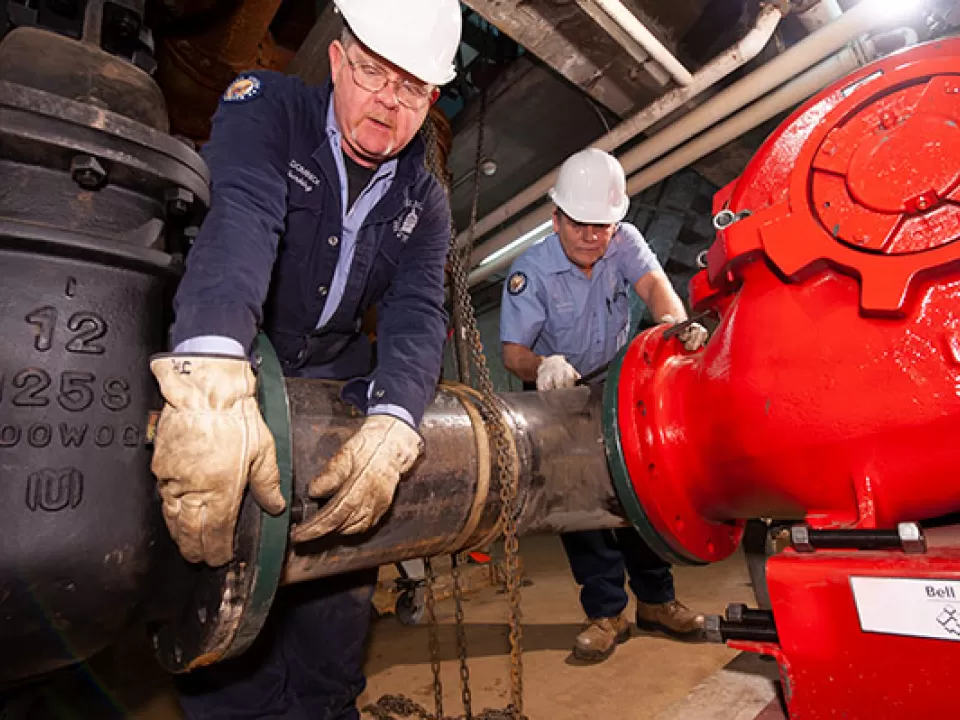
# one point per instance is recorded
(420, 36)
(591, 188)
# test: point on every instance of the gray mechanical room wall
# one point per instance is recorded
(675, 216)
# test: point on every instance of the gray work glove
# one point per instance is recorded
(364, 475)
(693, 336)
(211, 441)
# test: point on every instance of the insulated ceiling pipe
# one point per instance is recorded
(782, 99)
(855, 22)
(823, 13)
(637, 31)
(720, 67)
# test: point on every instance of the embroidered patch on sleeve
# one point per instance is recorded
(245, 87)
(517, 283)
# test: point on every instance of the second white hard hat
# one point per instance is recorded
(591, 188)
(420, 36)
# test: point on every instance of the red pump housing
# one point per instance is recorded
(829, 393)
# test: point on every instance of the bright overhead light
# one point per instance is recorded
(894, 9)
(542, 230)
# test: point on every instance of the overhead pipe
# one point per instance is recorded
(821, 14)
(638, 31)
(735, 57)
(860, 19)
(784, 98)
(618, 21)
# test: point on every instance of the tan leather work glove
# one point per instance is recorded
(364, 475)
(693, 336)
(555, 373)
(210, 441)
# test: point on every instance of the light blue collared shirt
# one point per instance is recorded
(352, 219)
(553, 308)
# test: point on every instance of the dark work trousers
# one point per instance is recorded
(307, 663)
(600, 559)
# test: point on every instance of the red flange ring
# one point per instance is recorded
(656, 502)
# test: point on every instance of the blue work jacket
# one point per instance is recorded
(267, 251)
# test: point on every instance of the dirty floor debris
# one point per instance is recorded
(650, 677)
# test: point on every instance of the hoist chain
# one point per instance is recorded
(391, 706)
(434, 637)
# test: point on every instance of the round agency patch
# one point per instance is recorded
(517, 283)
(245, 87)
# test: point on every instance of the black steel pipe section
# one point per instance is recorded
(450, 501)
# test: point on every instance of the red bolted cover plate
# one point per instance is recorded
(866, 178)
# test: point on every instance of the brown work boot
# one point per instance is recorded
(673, 618)
(600, 638)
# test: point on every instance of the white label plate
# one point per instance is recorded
(908, 606)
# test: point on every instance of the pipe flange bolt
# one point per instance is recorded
(87, 172)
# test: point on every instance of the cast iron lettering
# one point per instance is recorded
(72, 436)
(116, 394)
(31, 382)
(130, 436)
(44, 320)
(89, 327)
(39, 435)
(76, 394)
(104, 436)
(9, 435)
(54, 490)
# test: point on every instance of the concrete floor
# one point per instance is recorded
(645, 677)
(648, 677)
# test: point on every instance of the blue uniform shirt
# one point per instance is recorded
(278, 251)
(550, 306)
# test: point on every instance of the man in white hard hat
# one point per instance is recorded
(321, 207)
(565, 314)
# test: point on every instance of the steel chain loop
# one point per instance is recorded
(391, 706)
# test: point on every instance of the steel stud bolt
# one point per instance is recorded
(87, 172)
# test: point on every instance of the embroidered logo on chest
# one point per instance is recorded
(301, 176)
(406, 221)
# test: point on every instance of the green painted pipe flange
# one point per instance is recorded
(274, 529)
(220, 611)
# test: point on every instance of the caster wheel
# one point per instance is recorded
(410, 606)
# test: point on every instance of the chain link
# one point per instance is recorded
(391, 706)
(434, 633)
(465, 694)
(494, 419)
